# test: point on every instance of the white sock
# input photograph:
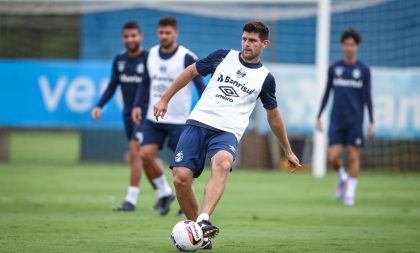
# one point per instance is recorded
(162, 187)
(203, 216)
(132, 194)
(351, 187)
(342, 174)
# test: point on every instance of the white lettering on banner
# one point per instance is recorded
(395, 95)
(80, 94)
(384, 108)
(301, 105)
(409, 105)
(51, 98)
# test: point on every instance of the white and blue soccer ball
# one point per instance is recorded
(187, 236)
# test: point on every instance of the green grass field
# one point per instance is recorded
(67, 208)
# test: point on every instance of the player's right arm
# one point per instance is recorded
(108, 93)
(180, 82)
(203, 67)
(324, 99)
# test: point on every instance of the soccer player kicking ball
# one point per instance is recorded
(218, 121)
(350, 80)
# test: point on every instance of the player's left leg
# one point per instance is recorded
(353, 153)
(222, 151)
(221, 164)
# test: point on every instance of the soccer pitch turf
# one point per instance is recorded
(67, 208)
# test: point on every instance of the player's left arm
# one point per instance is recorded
(367, 95)
(268, 98)
(198, 79)
(142, 96)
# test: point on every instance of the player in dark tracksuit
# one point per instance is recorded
(128, 70)
(351, 82)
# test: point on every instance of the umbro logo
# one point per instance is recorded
(228, 91)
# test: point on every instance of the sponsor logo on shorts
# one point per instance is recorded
(232, 148)
(179, 156)
(140, 137)
(358, 141)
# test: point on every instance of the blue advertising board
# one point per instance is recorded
(55, 94)
(61, 94)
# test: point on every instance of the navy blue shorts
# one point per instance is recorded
(197, 142)
(157, 133)
(345, 134)
(132, 131)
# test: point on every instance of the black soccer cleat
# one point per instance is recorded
(125, 207)
(156, 206)
(164, 204)
(207, 244)
(209, 230)
(180, 213)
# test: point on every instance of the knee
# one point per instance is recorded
(353, 157)
(334, 159)
(224, 165)
(182, 181)
(221, 170)
(133, 152)
(145, 155)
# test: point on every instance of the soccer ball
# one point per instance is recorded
(187, 235)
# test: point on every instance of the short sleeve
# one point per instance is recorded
(209, 64)
(268, 93)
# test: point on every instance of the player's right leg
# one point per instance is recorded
(183, 180)
(334, 157)
(336, 139)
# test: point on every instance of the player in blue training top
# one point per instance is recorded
(128, 71)
(220, 118)
(351, 82)
(163, 64)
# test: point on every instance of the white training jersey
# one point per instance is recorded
(162, 73)
(230, 96)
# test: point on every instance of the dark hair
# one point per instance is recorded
(257, 27)
(351, 33)
(131, 25)
(168, 21)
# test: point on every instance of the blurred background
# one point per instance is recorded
(55, 62)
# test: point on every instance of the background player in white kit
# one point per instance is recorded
(163, 64)
(219, 119)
